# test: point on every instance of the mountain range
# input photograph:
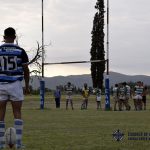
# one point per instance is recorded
(79, 80)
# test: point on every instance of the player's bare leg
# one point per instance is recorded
(120, 105)
(135, 104)
(83, 104)
(67, 104)
(17, 105)
(71, 104)
(86, 103)
(98, 105)
(2, 110)
(115, 104)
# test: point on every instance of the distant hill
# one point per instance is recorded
(79, 80)
(118, 77)
(52, 82)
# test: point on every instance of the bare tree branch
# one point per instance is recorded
(38, 54)
(36, 60)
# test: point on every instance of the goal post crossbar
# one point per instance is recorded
(74, 62)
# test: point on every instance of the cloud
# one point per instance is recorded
(68, 25)
(129, 34)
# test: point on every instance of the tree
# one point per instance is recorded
(97, 46)
(36, 62)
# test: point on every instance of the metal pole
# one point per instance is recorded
(43, 52)
(107, 37)
(107, 88)
(42, 82)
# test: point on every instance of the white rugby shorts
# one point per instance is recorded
(122, 98)
(69, 97)
(98, 98)
(11, 91)
(138, 97)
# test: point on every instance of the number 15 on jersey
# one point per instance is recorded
(8, 63)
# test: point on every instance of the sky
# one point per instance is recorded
(67, 32)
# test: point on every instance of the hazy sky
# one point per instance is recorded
(68, 25)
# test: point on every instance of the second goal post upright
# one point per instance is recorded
(42, 82)
(107, 82)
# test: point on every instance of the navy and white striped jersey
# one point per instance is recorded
(69, 89)
(98, 92)
(115, 91)
(12, 57)
(128, 92)
(139, 90)
(122, 91)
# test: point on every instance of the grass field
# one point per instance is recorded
(60, 129)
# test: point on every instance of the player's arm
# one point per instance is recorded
(82, 92)
(26, 71)
(146, 90)
(134, 91)
(125, 91)
(26, 77)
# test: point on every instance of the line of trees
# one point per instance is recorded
(76, 90)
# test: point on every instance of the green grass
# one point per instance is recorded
(58, 129)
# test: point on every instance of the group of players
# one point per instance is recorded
(85, 92)
(122, 93)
